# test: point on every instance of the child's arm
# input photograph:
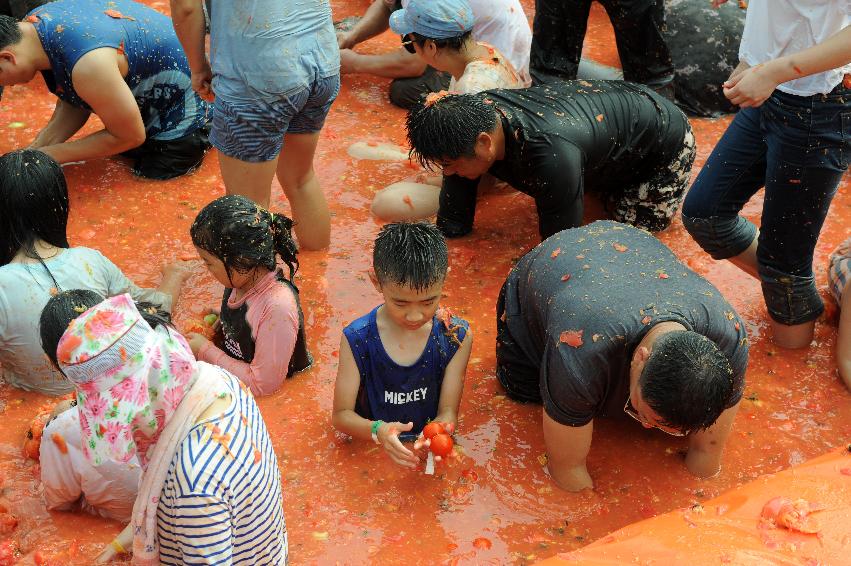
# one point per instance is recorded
(453, 382)
(166, 295)
(275, 330)
(347, 421)
(843, 342)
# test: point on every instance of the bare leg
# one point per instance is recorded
(784, 335)
(301, 186)
(253, 180)
(843, 341)
(746, 261)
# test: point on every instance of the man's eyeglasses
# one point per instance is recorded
(630, 410)
(408, 44)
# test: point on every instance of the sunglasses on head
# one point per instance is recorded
(408, 44)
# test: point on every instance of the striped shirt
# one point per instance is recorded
(221, 502)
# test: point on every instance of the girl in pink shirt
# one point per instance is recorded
(262, 326)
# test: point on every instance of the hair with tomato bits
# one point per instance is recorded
(687, 381)
(244, 235)
(10, 33)
(33, 205)
(449, 127)
(64, 307)
(453, 43)
(411, 254)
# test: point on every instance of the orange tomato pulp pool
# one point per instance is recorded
(372, 510)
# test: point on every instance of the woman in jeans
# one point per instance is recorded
(792, 136)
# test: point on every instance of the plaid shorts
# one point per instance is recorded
(839, 269)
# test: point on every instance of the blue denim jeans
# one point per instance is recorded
(797, 148)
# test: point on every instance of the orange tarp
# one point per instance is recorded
(729, 528)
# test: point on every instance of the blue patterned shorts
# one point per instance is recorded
(255, 132)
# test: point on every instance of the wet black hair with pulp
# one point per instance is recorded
(448, 127)
(687, 380)
(10, 33)
(33, 204)
(244, 235)
(453, 43)
(412, 254)
(64, 307)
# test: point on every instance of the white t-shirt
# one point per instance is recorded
(71, 482)
(503, 24)
(26, 288)
(774, 28)
(496, 72)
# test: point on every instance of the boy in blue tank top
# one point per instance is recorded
(402, 364)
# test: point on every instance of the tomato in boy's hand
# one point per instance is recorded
(432, 428)
(441, 445)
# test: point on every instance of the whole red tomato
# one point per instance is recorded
(431, 429)
(441, 445)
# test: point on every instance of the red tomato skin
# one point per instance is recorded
(431, 429)
(441, 445)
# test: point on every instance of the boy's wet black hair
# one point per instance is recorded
(453, 43)
(448, 127)
(10, 33)
(33, 204)
(411, 254)
(687, 381)
(64, 307)
(244, 235)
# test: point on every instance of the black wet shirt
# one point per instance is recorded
(564, 138)
(605, 285)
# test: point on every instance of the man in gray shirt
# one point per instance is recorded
(602, 321)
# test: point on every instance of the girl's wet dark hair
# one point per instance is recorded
(244, 235)
(448, 127)
(33, 204)
(64, 307)
(411, 254)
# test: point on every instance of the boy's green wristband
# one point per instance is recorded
(375, 426)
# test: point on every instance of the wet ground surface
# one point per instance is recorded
(345, 501)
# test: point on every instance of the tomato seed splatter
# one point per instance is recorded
(555, 253)
(646, 319)
(619, 247)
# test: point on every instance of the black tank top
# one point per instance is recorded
(236, 337)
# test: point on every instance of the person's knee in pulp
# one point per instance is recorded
(402, 365)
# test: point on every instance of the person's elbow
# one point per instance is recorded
(181, 9)
(338, 420)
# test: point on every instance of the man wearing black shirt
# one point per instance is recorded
(553, 142)
(604, 320)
